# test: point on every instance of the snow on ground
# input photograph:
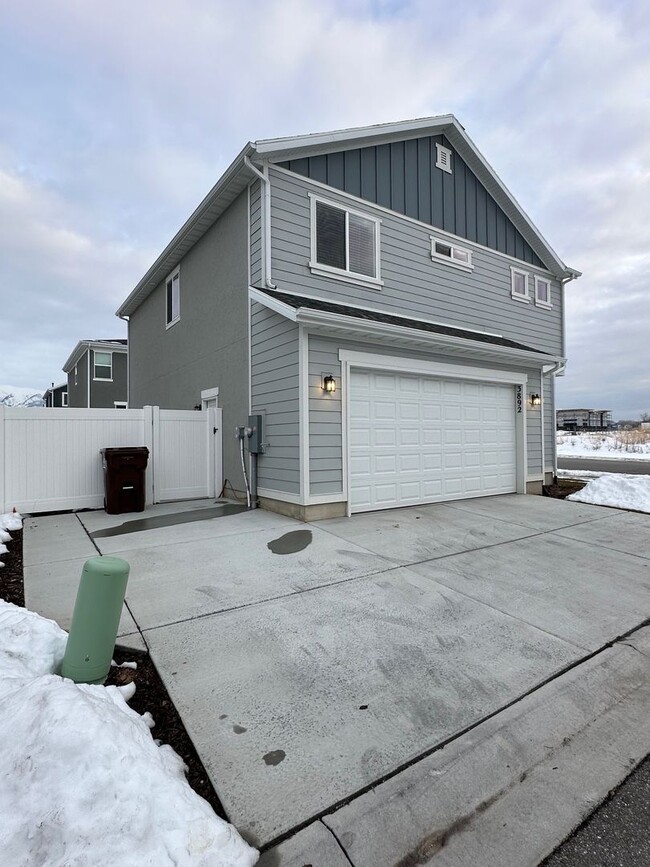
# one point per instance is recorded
(84, 783)
(621, 445)
(10, 521)
(616, 489)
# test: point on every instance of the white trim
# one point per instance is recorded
(443, 158)
(344, 276)
(535, 477)
(102, 378)
(64, 399)
(449, 260)
(209, 394)
(541, 415)
(423, 367)
(520, 296)
(298, 500)
(428, 226)
(303, 410)
(175, 274)
(328, 270)
(120, 404)
(273, 304)
(548, 305)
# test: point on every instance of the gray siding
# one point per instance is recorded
(326, 445)
(403, 176)
(549, 419)
(256, 234)
(78, 394)
(275, 394)
(413, 283)
(208, 346)
(103, 394)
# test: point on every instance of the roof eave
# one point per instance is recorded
(84, 345)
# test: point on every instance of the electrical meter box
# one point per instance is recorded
(256, 439)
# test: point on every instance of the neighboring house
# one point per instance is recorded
(380, 298)
(56, 395)
(584, 419)
(97, 374)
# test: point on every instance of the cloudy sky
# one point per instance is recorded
(116, 118)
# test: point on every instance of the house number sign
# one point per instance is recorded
(519, 399)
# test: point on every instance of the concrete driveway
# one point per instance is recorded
(330, 673)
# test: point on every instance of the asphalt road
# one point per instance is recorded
(641, 468)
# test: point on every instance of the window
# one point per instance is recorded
(443, 158)
(103, 365)
(451, 253)
(75, 374)
(119, 404)
(344, 242)
(519, 285)
(64, 398)
(542, 292)
(173, 293)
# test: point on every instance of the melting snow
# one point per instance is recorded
(616, 489)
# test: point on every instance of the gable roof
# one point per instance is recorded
(238, 175)
(117, 345)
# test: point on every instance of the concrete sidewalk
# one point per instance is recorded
(445, 671)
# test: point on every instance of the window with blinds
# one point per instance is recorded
(345, 241)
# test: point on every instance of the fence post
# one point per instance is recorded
(148, 439)
(3, 507)
(155, 450)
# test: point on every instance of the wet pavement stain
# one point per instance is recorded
(157, 521)
(239, 730)
(274, 757)
(291, 543)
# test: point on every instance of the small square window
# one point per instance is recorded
(542, 292)
(119, 404)
(103, 366)
(443, 158)
(173, 297)
(519, 285)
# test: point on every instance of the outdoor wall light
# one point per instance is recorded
(329, 383)
(535, 400)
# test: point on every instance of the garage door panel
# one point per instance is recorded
(420, 439)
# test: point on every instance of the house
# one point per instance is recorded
(584, 419)
(97, 374)
(380, 300)
(56, 395)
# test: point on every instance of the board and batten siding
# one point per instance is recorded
(275, 395)
(413, 284)
(403, 176)
(325, 428)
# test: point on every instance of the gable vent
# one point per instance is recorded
(443, 158)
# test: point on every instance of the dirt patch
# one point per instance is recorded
(562, 488)
(150, 694)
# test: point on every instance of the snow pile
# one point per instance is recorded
(84, 783)
(12, 395)
(616, 489)
(621, 445)
(11, 521)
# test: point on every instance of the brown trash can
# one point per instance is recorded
(124, 479)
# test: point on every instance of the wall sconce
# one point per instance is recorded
(535, 400)
(329, 383)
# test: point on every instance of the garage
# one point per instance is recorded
(422, 439)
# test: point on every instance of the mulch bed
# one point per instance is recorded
(150, 694)
(562, 488)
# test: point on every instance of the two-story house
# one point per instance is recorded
(97, 373)
(56, 395)
(378, 296)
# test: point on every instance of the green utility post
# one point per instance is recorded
(95, 620)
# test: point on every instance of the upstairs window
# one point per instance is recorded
(542, 292)
(344, 242)
(519, 285)
(103, 365)
(173, 297)
(450, 253)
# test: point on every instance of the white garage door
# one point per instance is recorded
(420, 439)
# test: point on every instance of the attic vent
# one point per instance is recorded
(443, 158)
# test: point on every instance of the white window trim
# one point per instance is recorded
(538, 301)
(64, 398)
(525, 299)
(120, 404)
(440, 149)
(102, 378)
(175, 273)
(75, 374)
(340, 273)
(448, 260)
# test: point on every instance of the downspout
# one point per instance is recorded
(266, 218)
(558, 369)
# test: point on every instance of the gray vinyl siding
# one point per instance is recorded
(256, 246)
(412, 283)
(208, 346)
(275, 395)
(103, 394)
(325, 428)
(78, 394)
(549, 417)
(403, 176)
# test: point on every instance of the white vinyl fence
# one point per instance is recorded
(50, 458)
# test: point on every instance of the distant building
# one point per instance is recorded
(56, 395)
(97, 374)
(584, 419)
